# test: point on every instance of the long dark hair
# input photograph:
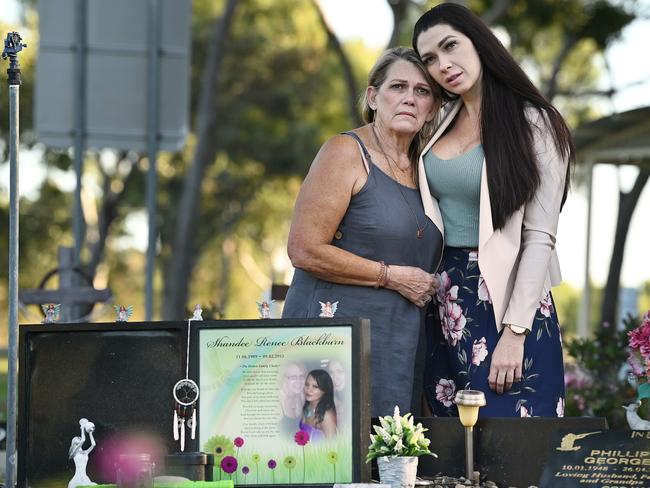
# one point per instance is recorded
(506, 132)
(326, 402)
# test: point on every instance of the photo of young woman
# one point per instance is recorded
(319, 412)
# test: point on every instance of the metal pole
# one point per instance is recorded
(469, 453)
(152, 143)
(78, 224)
(12, 46)
(585, 306)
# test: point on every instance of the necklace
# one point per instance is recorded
(420, 230)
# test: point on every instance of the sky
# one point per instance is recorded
(630, 72)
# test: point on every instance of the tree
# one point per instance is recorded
(268, 108)
(626, 204)
(180, 268)
(274, 82)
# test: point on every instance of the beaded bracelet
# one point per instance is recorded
(381, 275)
(386, 277)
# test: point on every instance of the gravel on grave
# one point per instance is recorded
(441, 481)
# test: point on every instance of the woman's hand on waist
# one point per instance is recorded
(414, 284)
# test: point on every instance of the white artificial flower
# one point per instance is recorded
(396, 415)
(383, 433)
(399, 447)
(398, 428)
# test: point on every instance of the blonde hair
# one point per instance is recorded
(377, 77)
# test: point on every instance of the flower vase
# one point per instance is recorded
(398, 471)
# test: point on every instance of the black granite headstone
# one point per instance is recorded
(119, 376)
(510, 452)
(600, 459)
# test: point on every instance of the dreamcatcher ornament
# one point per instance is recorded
(186, 394)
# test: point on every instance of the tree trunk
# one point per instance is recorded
(399, 8)
(348, 74)
(627, 204)
(551, 85)
(223, 287)
(182, 260)
(496, 11)
(108, 212)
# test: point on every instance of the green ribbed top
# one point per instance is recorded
(456, 184)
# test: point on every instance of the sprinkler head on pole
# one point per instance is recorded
(13, 45)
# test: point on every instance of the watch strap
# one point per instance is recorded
(518, 329)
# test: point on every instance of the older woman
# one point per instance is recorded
(359, 235)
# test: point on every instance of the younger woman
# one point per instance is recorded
(494, 176)
(319, 412)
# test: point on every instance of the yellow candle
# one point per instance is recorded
(468, 415)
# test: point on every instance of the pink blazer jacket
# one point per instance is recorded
(519, 263)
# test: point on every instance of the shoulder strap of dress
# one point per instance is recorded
(365, 155)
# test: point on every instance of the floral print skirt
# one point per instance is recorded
(461, 336)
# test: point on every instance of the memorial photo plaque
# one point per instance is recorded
(600, 459)
(285, 402)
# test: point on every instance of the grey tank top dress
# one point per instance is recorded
(379, 225)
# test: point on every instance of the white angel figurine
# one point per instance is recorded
(80, 455)
(198, 313)
(123, 313)
(51, 311)
(328, 309)
(264, 308)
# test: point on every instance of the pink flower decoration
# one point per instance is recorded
(238, 442)
(479, 351)
(635, 364)
(245, 470)
(639, 343)
(640, 339)
(546, 306)
(559, 409)
(453, 323)
(229, 464)
(483, 292)
(301, 438)
(445, 392)
(272, 464)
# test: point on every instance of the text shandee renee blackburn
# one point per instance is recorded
(303, 340)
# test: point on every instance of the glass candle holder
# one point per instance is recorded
(468, 403)
(134, 471)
